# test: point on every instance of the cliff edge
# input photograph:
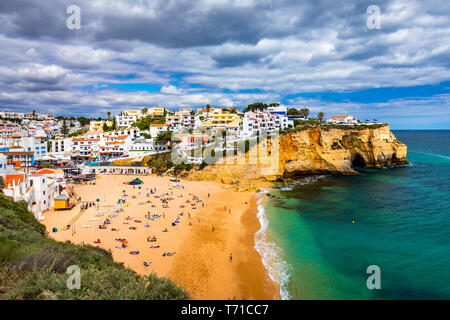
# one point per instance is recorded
(319, 150)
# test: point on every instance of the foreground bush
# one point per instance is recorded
(33, 266)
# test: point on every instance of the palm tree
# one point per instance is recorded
(144, 111)
(304, 112)
(109, 114)
(320, 116)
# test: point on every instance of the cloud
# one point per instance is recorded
(214, 52)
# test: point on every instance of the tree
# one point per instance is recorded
(144, 110)
(78, 133)
(145, 122)
(84, 121)
(304, 112)
(105, 127)
(163, 137)
(109, 114)
(2, 183)
(274, 105)
(208, 107)
(256, 106)
(64, 129)
(293, 112)
(320, 116)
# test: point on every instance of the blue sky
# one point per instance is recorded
(313, 53)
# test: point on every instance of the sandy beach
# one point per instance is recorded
(213, 223)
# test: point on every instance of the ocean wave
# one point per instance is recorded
(436, 155)
(271, 254)
(306, 180)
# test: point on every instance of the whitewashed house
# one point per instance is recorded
(342, 120)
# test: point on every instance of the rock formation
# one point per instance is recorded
(319, 150)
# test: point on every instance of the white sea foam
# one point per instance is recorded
(272, 255)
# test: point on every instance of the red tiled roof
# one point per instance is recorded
(11, 179)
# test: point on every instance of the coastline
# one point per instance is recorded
(201, 263)
(204, 268)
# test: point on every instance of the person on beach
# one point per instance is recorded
(213, 228)
(231, 257)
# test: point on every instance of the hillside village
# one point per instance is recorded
(40, 153)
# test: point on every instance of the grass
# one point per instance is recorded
(33, 266)
(326, 126)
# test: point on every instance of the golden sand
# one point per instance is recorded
(202, 241)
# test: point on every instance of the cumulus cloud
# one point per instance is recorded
(198, 52)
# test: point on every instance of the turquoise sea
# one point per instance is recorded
(320, 235)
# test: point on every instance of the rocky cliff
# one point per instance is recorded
(320, 150)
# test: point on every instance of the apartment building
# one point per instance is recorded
(256, 122)
(218, 121)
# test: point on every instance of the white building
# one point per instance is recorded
(43, 190)
(280, 110)
(16, 186)
(156, 129)
(342, 120)
(183, 119)
(61, 145)
(36, 144)
(5, 168)
(125, 121)
(257, 122)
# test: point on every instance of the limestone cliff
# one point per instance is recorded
(320, 150)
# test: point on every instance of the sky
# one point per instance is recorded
(183, 53)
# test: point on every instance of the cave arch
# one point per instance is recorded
(358, 161)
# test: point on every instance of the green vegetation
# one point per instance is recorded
(84, 121)
(33, 266)
(256, 106)
(17, 120)
(65, 128)
(107, 128)
(304, 112)
(181, 168)
(78, 133)
(300, 125)
(320, 116)
(329, 126)
(145, 122)
(163, 137)
(159, 163)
